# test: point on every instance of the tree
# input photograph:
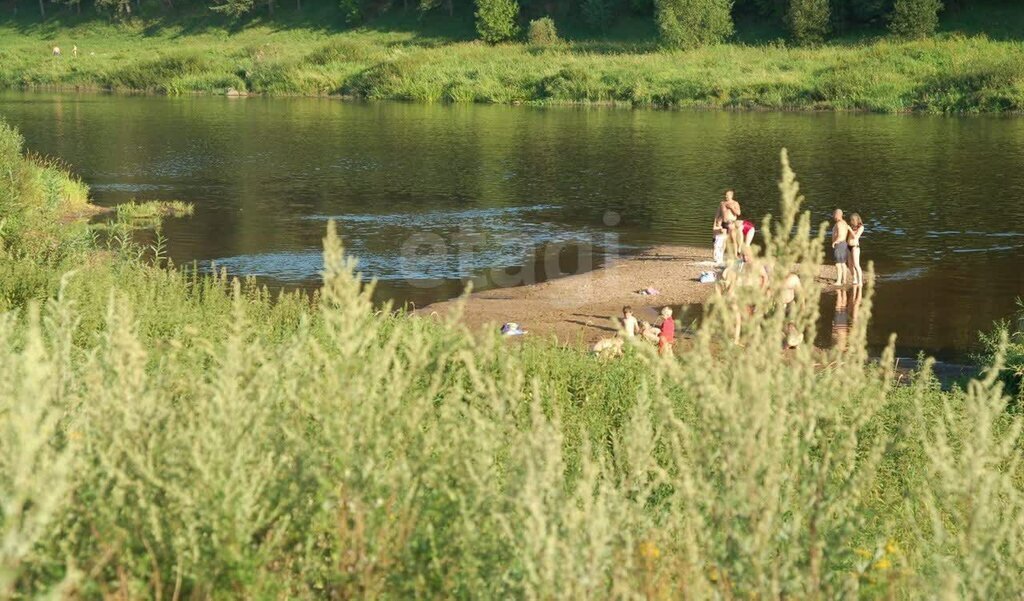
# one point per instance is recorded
(808, 20)
(598, 13)
(496, 20)
(120, 8)
(692, 23)
(234, 8)
(915, 18)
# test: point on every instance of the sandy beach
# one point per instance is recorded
(579, 309)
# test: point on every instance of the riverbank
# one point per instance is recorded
(951, 73)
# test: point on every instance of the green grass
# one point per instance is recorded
(423, 61)
(165, 435)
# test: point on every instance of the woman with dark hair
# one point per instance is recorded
(856, 230)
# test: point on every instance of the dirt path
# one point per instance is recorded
(579, 309)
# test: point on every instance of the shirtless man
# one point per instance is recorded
(840, 247)
(726, 226)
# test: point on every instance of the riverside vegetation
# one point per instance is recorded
(172, 436)
(974, 64)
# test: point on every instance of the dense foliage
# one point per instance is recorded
(915, 18)
(682, 22)
(693, 23)
(166, 436)
(496, 20)
(542, 32)
(809, 20)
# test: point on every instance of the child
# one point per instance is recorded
(630, 325)
(748, 234)
(668, 332)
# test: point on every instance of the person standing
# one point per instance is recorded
(667, 335)
(853, 241)
(725, 226)
(840, 246)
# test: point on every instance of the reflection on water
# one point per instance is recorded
(430, 197)
(432, 245)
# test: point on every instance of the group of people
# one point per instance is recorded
(729, 226)
(846, 248)
(735, 234)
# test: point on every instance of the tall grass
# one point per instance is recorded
(951, 73)
(175, 437)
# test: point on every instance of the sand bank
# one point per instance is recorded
(579, 309)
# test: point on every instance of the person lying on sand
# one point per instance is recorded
(608, 347)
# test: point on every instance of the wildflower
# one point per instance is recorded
(883, 564)
(648, 550)
(891, 548)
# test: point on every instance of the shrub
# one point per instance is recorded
(542, 32)
(808, 20)
(352, 10)
(693, 23)
(915, 18)
(496, 20)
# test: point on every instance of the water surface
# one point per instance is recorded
(429, 196)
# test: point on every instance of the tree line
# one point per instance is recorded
(681, 23)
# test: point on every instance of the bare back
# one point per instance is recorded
(840, 232)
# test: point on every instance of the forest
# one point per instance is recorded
(681, 23)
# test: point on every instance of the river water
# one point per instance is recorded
(427, 196)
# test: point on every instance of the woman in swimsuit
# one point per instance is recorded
(853, 241)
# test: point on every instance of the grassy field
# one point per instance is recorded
(163, 436)
(961, 70)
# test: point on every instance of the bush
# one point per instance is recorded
(352, 10)
(915, 18)
(542, 32)
(496, 20)
(808, 20)
(693, 23)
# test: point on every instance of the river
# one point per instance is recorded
(427, 196)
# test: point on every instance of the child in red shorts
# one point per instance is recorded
(667, 336)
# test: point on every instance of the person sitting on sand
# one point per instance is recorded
(853, 241)
(649, 333)
(667, 336)
(630, 325)
(840, 246)
(726, 226)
